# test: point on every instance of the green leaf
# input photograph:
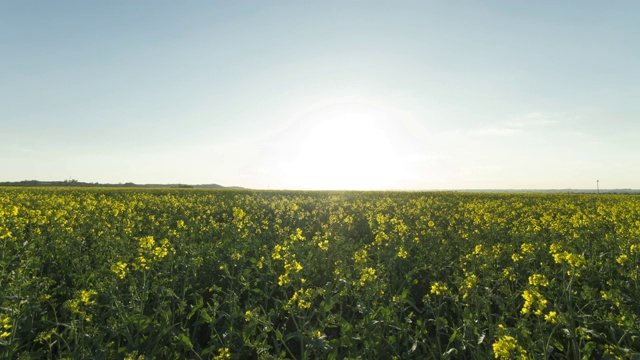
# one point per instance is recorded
(205, 316)
(453, 337)
(184, 339)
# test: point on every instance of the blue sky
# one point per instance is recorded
(322, 95)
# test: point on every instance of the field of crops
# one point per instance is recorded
(140, 274)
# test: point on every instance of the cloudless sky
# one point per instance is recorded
(322, 94)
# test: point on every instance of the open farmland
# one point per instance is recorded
(142, 274)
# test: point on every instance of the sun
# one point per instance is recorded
(347, 147)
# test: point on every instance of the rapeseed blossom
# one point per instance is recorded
(223, 353)
(368, 274)
(120, 269)
(538, 280)
(622, 259)
(527, 248)
(5, 327)
(402, 253)
(360, 255)
(438, 288)
(507, 348)
(551, 317)
(533, 299)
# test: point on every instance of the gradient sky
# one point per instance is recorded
(323, 94)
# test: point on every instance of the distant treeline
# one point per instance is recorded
(76, 183)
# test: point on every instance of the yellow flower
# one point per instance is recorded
(324, 245)
(527, 248)
(360, 255)
(552, 317)
(622, 259)
(6, 322)
(119, 269)
(292, 266)
(575, 260)
(85, 296)
(276, 255)
(470, 281)
(555, 248)
(506, 348)
(147, 242)
(223, 353)
(508, 274)
(301, 298)
(283, 279)
(5, 325)
(303, 304)
(538, 280)
(297, 236)
(368, 274)
(134, 356)
(438, 288)
(532, 298)
(402, 253)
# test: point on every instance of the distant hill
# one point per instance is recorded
(76, 183)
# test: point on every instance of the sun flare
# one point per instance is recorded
(348, 147)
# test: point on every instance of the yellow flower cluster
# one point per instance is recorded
(360, 256)
(297, 236)
(324, 245)
(611, 295)
(527, 248)
(278, 251)
(290, 266)
(576, 261)
(148, 252)
(508, 274)
(538, 280)
(78, 304)
(120, 269)
(5, 327)
(223, 353)
(248, 315)
(469, 282)
(402, 253)
(368, 274)
(439, 288)
(622, 259)
(284, 252)
(551, 317)
(302, 298)
(506, 347)
(533, 299)
(85, 297)
(134, 355)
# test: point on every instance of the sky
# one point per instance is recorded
(362, 95)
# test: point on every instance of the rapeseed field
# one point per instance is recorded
(202, 274)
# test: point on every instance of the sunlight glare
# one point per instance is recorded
(348, 148)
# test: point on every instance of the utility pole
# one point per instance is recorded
(597, 186)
